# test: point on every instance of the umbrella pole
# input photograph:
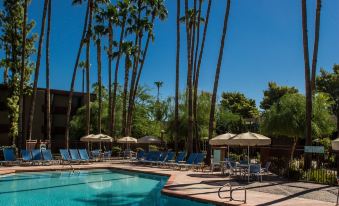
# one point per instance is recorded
(248, 154)
(228, 152)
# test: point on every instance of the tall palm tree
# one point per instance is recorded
(37, 69)
(123, 11)
(309, 77)
(22, 75)
(177, 78)
(48, 93)
(69, 106)
(216, 79)
(197, 66)
(82, 66)
(88, 43)
(158, 84)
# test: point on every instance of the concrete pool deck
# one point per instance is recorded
(203, 186)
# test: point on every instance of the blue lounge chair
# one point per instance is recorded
(26, 156)
(65, 157)
(84, 155)
(107, 155)
(161, 159)
(95, 154)
(48, 157)
(9, 156)
(37, 157)
(180, 157)
(74, 154)
(168, 159)
(198, 163)
(189, 162)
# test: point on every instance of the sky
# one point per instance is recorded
(263, 43)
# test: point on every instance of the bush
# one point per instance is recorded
(153, 148)
(320, 176)
(116, 150)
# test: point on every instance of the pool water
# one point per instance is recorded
(101, 187)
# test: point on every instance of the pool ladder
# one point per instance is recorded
(230, 190)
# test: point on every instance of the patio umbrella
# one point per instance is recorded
(149, 140)
(221, 140)
(86, 138)
(335, 144)
(128, 140)
(249, 139)
(96, 138)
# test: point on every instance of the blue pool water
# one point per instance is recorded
(88, 187)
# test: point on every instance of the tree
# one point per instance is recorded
(329, 83)
(82, 66)
(274, 93)
(17, 41)
(48, 92)
(310, 75)
(237, 103)
(82, 41)
(177, 79)
(216, 79)
(158, 84)
(286, 118)
(37, 69)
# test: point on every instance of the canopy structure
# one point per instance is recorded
(221, 140)
(127, 140)
(96, 138)
(335, 144)
(249, 139)
(149, 140)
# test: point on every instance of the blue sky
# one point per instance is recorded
(263, 43)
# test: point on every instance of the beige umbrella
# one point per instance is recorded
(86, 138)
(335, 144)
(249, 139)
(149, 140)
(221, 139)
(127, 140)
(96, 138)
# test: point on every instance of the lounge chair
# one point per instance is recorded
(26, 156)
(162, 158)
(9, 156)
(254, 171)
(75, 155)
(84, 155)
(169, 158)
(198, 163)
(180, 157)
(37, 157)
(107, 155)
(154, 156)
(66, 158)
(48, 157)
(189, 162)
(95, 154)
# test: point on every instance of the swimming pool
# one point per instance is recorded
(100, 187)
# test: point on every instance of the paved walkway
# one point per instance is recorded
(204, 186)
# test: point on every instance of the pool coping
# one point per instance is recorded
(165, 190)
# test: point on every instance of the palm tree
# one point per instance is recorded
(82, 66)
(158, 84)
(309, 77)
(37, 68)
(123, 11)
(216, 79)
(88, 43)
(177, 76)
(48, 93)
(69, 106)
(22, 75)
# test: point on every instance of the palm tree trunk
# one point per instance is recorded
(36, 75)
(88, 44)
(70, 97)
(124, 102)
(316, 45)
(110, 50)
(189, 84)
(22, 79)
(115, 87)
(197, 43)
(48, 93)
(294, 144)
(216, 80)
(177, 79)
(308, 89)
(100, 83)
(83, 82)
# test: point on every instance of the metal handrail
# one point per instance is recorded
(231, 190)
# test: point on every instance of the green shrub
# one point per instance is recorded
(153, 148)
(116, 150)
(320, 176)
